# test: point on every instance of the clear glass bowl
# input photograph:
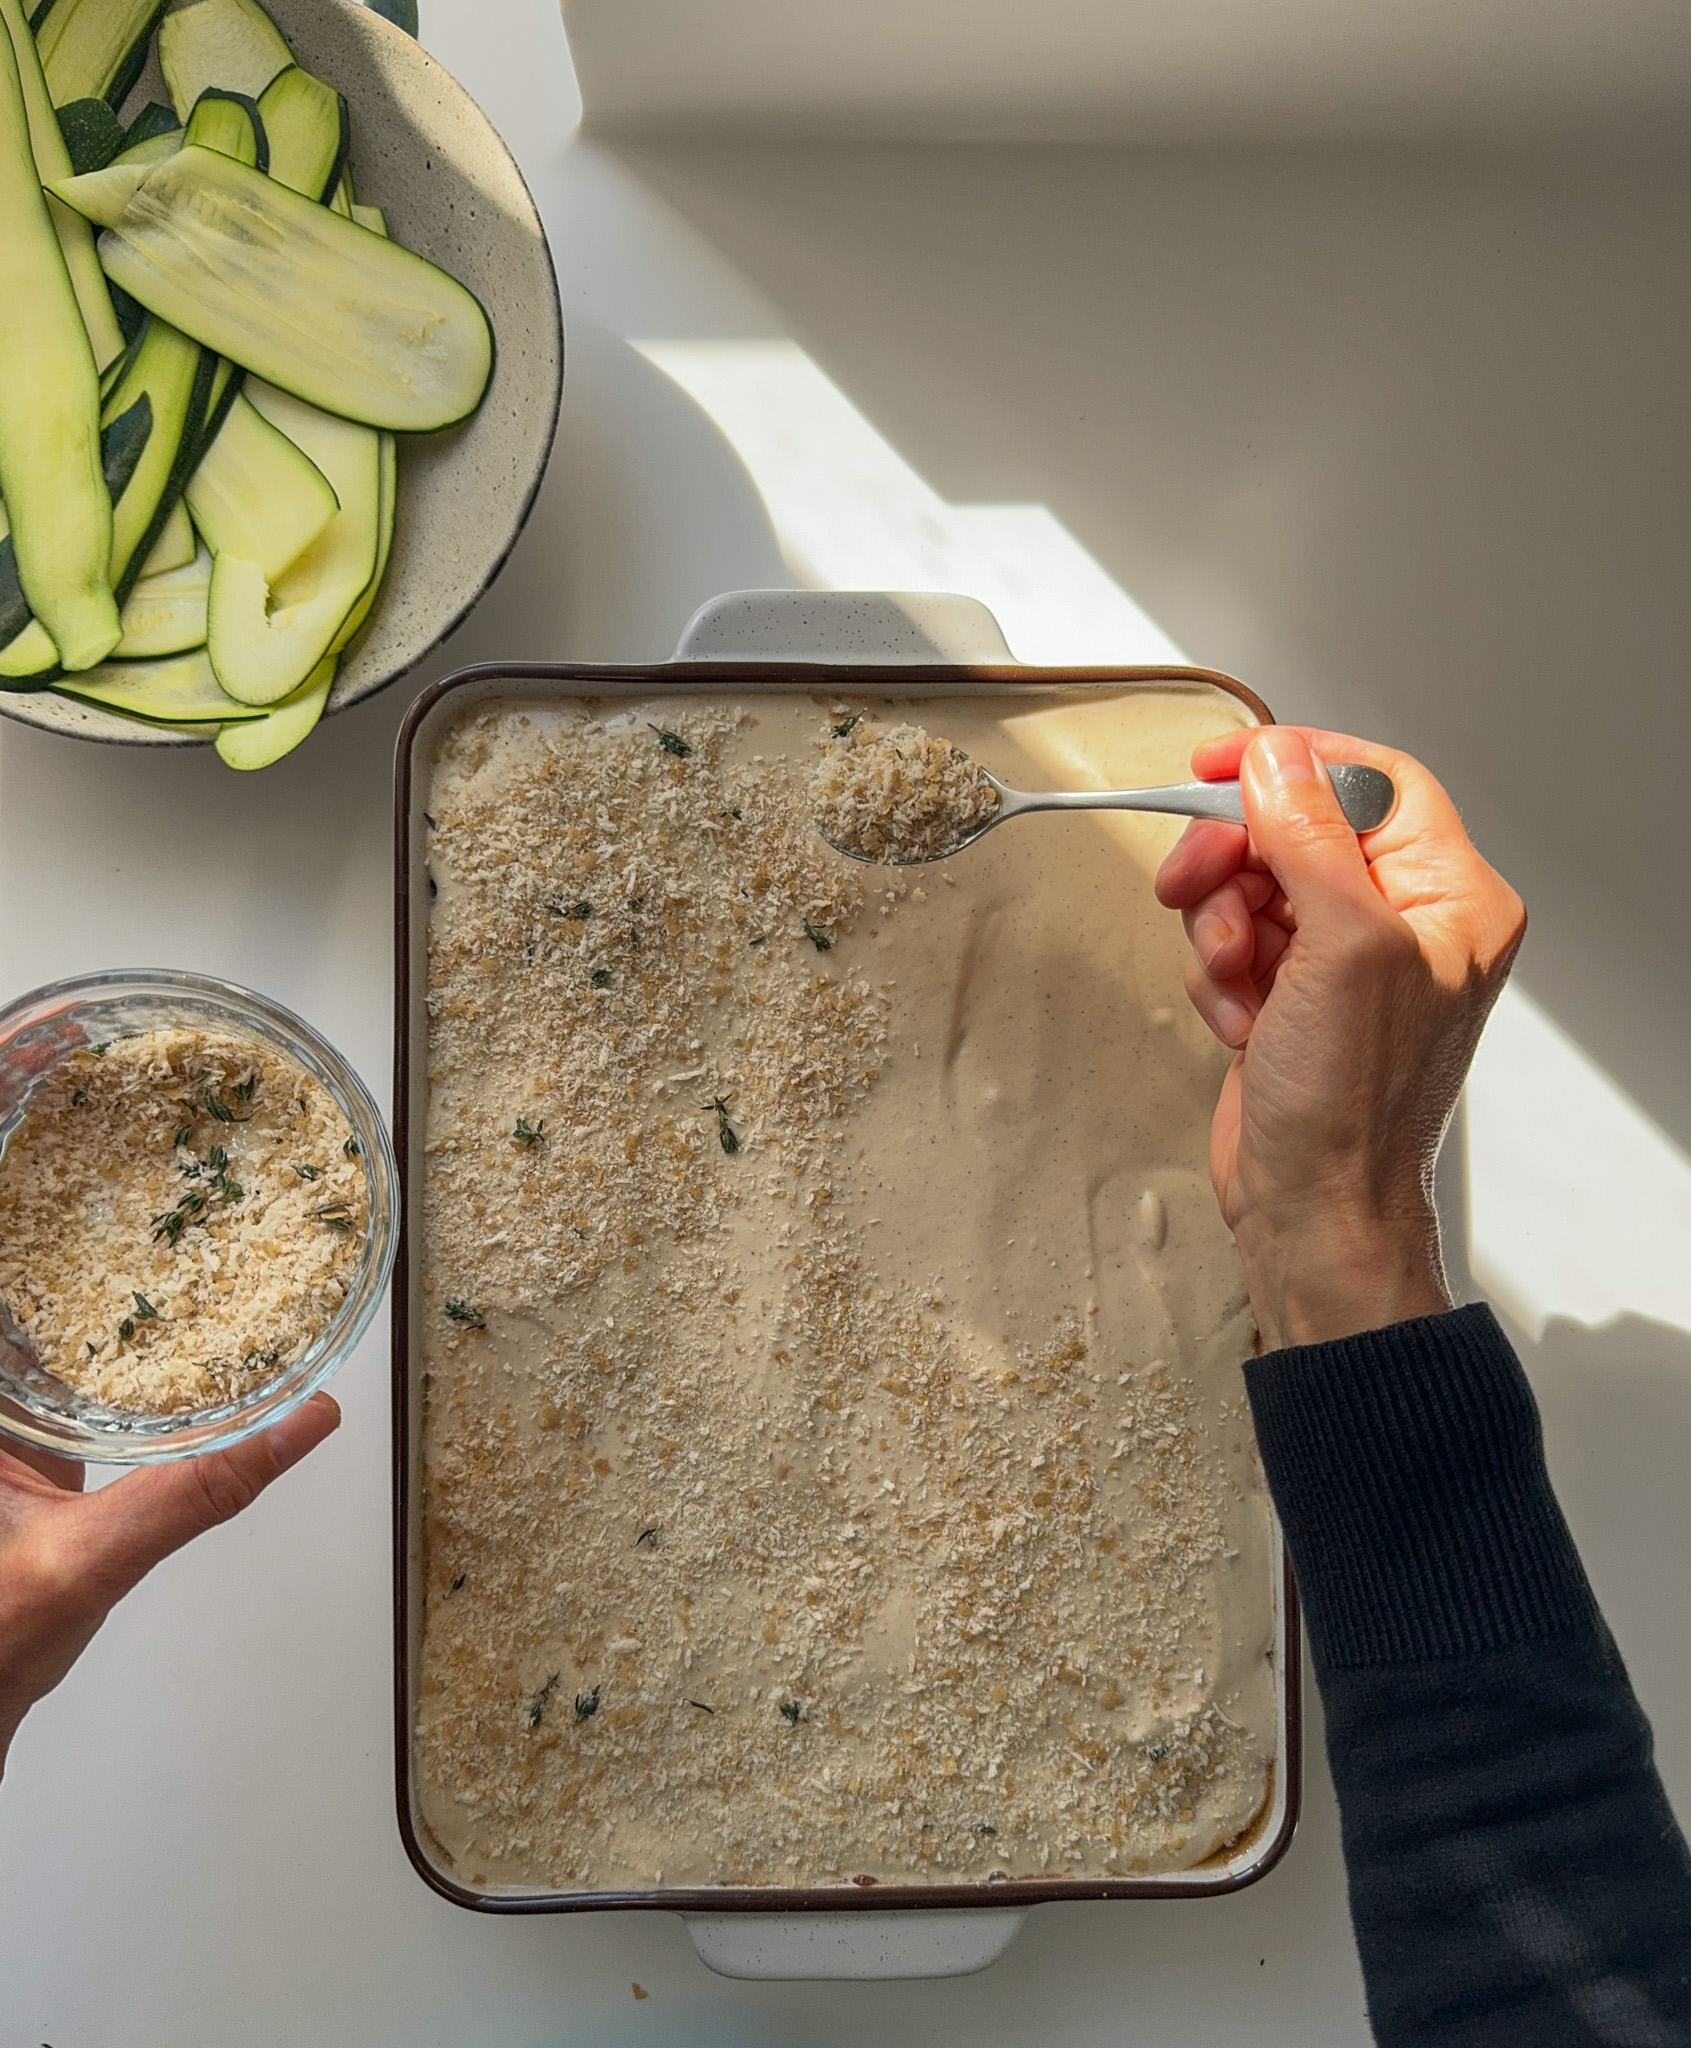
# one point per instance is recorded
(44, 1027)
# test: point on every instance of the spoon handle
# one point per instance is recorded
(1365, 795)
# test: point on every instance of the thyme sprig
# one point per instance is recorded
(847, 726)
(726, 1134)
(195, 1205)
(541, 1701)
(527, 1134)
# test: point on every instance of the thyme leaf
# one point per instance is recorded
(671, 742)
(817, 936)
(542, 1699)
(79, 1098)
(457, 1585)
(352, 1149)
(648, 1536)
(791, 1712)
(527, 1134)
(126, 1329)
(309, 1172)
(727, 1136)
(601, 977)
(703, 1709)
(847, 725)
(461, 1312)
(145, 1310)
(587, 1703)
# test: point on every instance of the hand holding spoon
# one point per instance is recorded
(1366, 796)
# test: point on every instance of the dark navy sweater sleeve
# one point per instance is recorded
(1516, 1876)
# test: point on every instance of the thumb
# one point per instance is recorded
(127, 1528)
(1297, 827)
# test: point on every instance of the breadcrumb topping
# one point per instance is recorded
(746, 1559)
(181, 1214)
(896, 794)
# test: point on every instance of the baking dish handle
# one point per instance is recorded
(918, 626)
(867, 1947)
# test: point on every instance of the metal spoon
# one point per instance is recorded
(1366, 796)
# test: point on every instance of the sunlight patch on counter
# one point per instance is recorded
(851, 514)
(1578, 1205)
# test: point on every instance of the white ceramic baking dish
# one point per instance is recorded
(859, 642)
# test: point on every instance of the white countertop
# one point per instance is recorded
(1355, 427)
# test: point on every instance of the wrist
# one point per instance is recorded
(1338, 1274)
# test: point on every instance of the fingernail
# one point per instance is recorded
(1210, 932)
(304, 1429)
(1233, 1021)
(1283, 759)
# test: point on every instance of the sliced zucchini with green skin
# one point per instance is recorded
(29, 658)
(265, 641)
(152, 124)
(261, 742)
(180, 691)
(310, 133)
(389, 478)
(121, 448)
(173, 374)
(52, 160)
(175, 547)
(52, 479)
(153, 150)
(94, 49)
(166, 614)
(388, 486)
(294, 293)
(31, 661)
(231, 43)
(230, 123)
(99, 195)
(225, 389)
(256, 496)
(93, 134)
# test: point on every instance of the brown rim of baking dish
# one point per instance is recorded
(697, 678)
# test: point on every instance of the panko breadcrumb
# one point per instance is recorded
(181, 1215)
(897, 795)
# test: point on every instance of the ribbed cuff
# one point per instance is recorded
(1407, 1465)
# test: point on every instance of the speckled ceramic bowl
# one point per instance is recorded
(424, 152)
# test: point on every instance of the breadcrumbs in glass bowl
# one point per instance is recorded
(198, 1215)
